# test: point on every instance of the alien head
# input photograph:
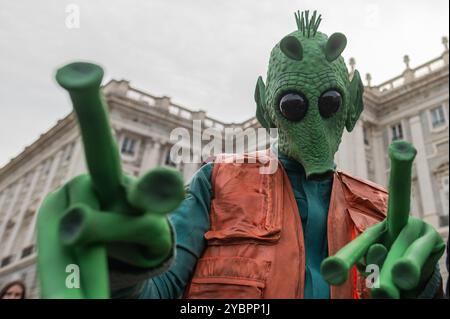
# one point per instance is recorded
(309, 96)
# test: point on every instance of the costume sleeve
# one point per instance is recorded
(433, 289)
(189, 224)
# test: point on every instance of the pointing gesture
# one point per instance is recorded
(406, 248)
(104, 213)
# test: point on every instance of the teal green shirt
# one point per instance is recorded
(313, 199)
(191, 222)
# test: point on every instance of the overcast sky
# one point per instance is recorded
(205, 54)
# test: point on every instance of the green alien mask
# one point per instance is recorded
(309, 96)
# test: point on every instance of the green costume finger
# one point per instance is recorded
(159, 191)
(53, 257)
(82, 81)
(406, 272)
(91, 259)
(376, 255)
(335, 268)
(361, 266)
(401, 154)
(83, 226)
(430, 265)
(407, 236)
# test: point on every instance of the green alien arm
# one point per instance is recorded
(406, 248)
(105, 213)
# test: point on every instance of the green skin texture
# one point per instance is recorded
(106, 213)
(312, 141)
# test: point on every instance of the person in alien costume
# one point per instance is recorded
(306, 230)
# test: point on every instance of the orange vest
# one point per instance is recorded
(255, 246)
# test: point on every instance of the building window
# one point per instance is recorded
(10, 224)
(437, 117)
(397, 131)
(168, 161)
(366, 136)
(27, 251)
(128, 146)
(46, 167)
(6, 261)
(68, 152)
(443, 221)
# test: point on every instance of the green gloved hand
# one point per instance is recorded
(405, 248)
(105, 213)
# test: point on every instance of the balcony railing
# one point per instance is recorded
(172, 108)
(414, 74)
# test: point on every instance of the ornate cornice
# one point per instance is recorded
(63, 125)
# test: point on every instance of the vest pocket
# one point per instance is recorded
(246, 208)
(228, 278)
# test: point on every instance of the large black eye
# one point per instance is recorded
(329, 103)
(293, 106)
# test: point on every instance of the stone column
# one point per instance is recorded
(351, 157)
(20, 216)
(423, 173)
(445, 54)
(77, 164)
(360, 161)
(379, 161)
(29, 237)
(151, 156)
(415, 206)
(191, 168)
(342, 157)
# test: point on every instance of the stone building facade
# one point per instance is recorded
(413, 106)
